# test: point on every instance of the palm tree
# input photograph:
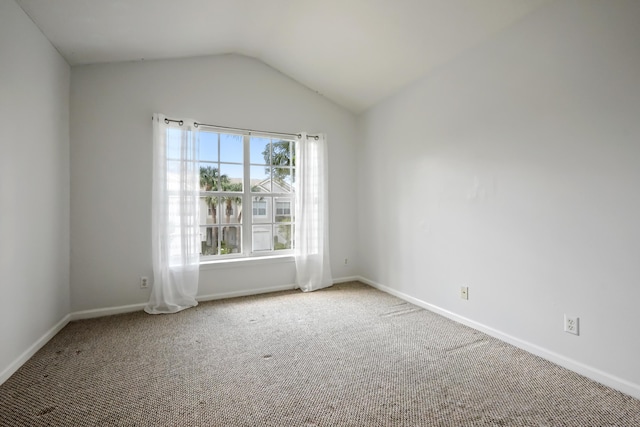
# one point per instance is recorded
(281, 156)
(231, 199)
(212, 180)
(209, 177)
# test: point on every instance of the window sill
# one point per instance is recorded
(246, 262)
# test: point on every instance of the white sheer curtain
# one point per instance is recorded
(313, 269)
(174, 217)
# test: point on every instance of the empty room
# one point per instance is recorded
(319, 213)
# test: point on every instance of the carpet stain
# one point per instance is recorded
(267, 356)
(400, 304)
(46, 410)
(403, 312)
(467, 346)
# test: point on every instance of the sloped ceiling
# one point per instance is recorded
(354, 52)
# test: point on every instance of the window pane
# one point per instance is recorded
(209, 210)
(261, 238)
(231, 209)
(231, 177)
(281, 153)
(231, 148)
(209, 175)
(208, 146)
(260, 179)
(231, 240)
(209, 240)
(261, 209)
(174, 142)
(282, 237)
(260, 151)
(283, 211)
(282, 182)
(173, 175)
(293, 180)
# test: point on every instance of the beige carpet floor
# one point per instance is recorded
(349, 355)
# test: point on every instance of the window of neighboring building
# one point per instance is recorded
(259, 208)
(240, 170)
(283, 208)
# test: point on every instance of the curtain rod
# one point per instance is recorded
(196, 124)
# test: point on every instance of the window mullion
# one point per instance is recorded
(218, 187)
(246, 198)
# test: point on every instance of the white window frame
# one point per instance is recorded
(247, 201)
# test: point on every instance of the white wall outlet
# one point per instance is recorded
(464, 292)
(144, 282)
(572, 324)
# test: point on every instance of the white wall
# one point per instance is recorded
(34, 188)
(514, 170)
(111, 108)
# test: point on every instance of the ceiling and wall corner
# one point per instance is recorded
(355, 52)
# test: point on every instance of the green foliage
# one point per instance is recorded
(211, 180)
(281, 156)
(223, 248)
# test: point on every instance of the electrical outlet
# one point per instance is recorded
(144, 282)
(572, 325)
(464, 292)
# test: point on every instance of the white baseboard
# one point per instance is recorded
(259, 291)
(13, 367)
(346, 279)
(602, 377)
(108, 311)
(245, 293)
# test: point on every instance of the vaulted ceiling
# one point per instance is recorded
(354, 52)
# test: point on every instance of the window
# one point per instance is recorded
(259, 208)
(240, 170)
(283, 208)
